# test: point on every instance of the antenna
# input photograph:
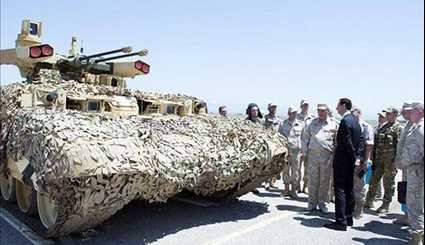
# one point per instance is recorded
(81, 47)
(74, 47)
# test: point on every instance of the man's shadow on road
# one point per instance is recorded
(317, 220)
(143, 223)
(379, 241)
(384, 229)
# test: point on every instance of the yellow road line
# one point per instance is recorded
(248, 229)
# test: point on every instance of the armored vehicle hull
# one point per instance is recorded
(76, 168)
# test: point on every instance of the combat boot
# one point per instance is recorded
(285, 192)
(305, 189)
(358, 210)
(323, 208)
(385, 208)
(403, 220)
(369, 204)
(311, 207)
(293, 194)
(416, 239)
(299, 187)
(379, 195)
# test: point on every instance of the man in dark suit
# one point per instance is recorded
(347, 156)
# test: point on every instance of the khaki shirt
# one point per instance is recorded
(292, 131)
(367, 132)
(413, 150)
(319, 135)
(272, 122)
(304, 117)
(402, 142)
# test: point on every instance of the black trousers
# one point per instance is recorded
(344, 194)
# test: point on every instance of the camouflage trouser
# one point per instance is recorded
(320, 175)
(415, 197)
(290, 172)
(383, 168)
(359, 187)
(300, 172)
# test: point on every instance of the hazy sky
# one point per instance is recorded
(236, 52)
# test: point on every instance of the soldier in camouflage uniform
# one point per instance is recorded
(272, 122)
(305, 117)
(359, 184)
(291, 128)
(318, 143)
(412, 161)
(384, 153)
(406, 109)
(382, 120)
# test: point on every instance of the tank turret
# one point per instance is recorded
(30, 55)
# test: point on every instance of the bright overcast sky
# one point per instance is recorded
(241, 51)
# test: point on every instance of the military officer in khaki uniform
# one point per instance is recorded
(291, 128)
(359, 184)
(412, 161)
(305, 117)
(304, 114)
(384, 153)
(272, 122)
(406, 109)
(318, 144)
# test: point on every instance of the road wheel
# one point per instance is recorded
(26, 198)
(47, 210)
(7, 187)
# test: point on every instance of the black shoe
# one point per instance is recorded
(350, 222)
(336, 226)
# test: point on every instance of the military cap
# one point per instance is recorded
(292, 109)
(407, 106)
(392, 110)
(382, 114)
(418, 105)
(304, 102)
(322, 107)
(272, 105)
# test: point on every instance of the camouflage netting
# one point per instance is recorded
(50, 80)
(93, 165)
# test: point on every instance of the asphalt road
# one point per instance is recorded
(263, 219)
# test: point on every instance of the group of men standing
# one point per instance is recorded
(337, 153)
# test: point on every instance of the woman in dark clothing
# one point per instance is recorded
(254, 114)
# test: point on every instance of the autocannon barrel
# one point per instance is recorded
(121, 50)
(140, 53)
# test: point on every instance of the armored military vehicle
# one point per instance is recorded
(76, 145)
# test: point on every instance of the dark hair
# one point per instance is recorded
(248, 110)
(52, 96)
(347, 103)
(220, 109)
